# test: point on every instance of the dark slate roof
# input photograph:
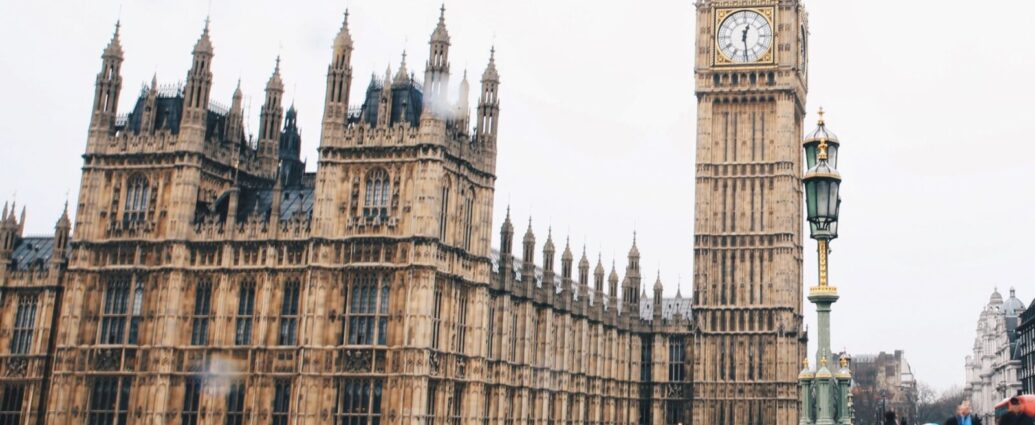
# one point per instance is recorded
(294, 202)
(32, 252)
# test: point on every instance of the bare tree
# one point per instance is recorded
(934, 407)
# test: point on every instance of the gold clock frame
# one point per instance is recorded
(720, 60)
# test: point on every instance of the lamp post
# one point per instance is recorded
(825, 394)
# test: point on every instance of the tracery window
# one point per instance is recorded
(120, 310)
(367, 310)
(202, 309)
(281, 401)
(24, 323)
(432, 392)
(468, 216)
(191, 401)
(436, 315)
(461, 325)
(289, 315)
(109, 401)
(235, 404)
(138, 193)
(491, 350)
(444, 218)
(245, 313)
(358, 401)
(378, 194)
(11, 403)
(676, 358)
(456, 403)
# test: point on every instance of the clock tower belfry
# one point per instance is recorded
(751, 81)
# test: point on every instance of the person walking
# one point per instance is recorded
(1015, 414)
(963, 416)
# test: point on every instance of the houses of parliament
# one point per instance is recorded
(208, 278)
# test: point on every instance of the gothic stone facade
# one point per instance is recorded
(210, 279)
(883, 382)
(747, 300)
(993, 369)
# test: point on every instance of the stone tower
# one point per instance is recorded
(751, 81)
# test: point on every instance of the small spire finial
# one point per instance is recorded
(821, 112)
(442, 12)
(277, 66)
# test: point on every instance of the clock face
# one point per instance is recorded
(745, 36)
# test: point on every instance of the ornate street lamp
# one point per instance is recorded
(825, 393)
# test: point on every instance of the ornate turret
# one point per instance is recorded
(235, 121)
(108, 84)
(489, 104)
(269, 121)
(463, 108)
(658, 290)
(436, 73)
(528, 254)
(199, 83)
(507, 236)
(62, 229)
(566, 259)
(583, 277)
(598, 280)
(339, 79)
(548, 251)
(9, 233)
(631, 284)
(612, 286)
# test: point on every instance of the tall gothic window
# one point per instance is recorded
(120, 310)
(24, 323)
(646, 350)
(432, 392)
(358, 401)
(281, 401)
(245, 314)
(535, 336)
(513, 331)
(491, 325)
(235, 404)
(444, 218)
(11, 404)
(202, 309)
(367, 315)
(289, 315)
(191, 401)
(109, 401)
(676, 359)
(436, 315)
(456, 403)
(137, 197)
(378, 194)
(461, 324)
(468, 217)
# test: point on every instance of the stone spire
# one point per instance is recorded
(270, 119)
(339, 79)
(108, 84)
(598, 277)
(402, 77)
(199, 84)
(507, 235)
(436, 72)
(488, 104)
(62, 229)
(548, 251)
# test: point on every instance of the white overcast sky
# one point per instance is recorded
(931, 98)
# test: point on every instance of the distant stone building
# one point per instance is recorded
(993, 369)
(1025, 351)
(883, 382)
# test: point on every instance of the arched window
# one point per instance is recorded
(137, 197)
(444, 216)
(468, 216)
(378, 193)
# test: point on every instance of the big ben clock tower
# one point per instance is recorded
(751, 80)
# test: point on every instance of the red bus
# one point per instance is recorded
(1027, 402)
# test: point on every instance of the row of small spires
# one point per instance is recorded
(507, 232)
